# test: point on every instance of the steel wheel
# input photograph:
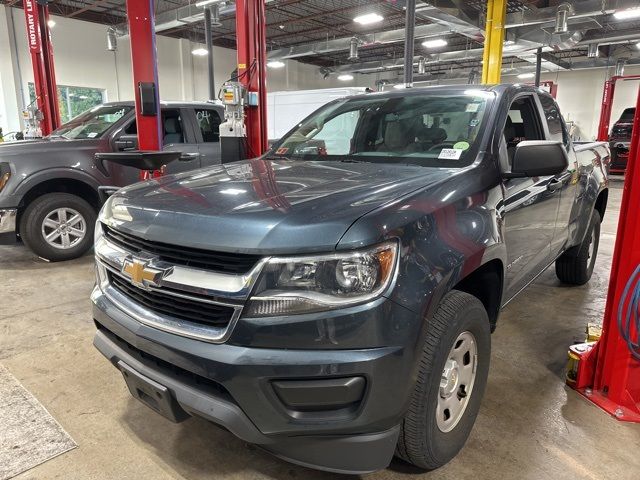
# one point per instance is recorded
(64, 228)
(456, 382)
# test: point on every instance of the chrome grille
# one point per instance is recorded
(163, 304)
(178, 255)
(171, 295)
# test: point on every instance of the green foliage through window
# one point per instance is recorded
(73, 100)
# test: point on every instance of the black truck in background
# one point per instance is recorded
(620, 140)
(333, 300)
(49, 187)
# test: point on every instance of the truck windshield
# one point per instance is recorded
(627, 115)
(92, 123)
(432, 129)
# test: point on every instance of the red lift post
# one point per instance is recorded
(44, 76)
(608, 375)
(142, 32)
(252, 62)
(607, 104)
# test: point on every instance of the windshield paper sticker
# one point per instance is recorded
(92, 134)
(450, 154)
(462, 146)
(472, 107)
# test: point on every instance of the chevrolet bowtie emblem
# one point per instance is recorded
(141, 274)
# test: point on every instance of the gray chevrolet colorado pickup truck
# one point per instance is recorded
(49, 187)
(332, 300)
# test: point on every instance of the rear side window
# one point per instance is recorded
(627, 115)
(209, 123)
(554, 120)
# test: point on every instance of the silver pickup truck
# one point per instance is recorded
(333, 300)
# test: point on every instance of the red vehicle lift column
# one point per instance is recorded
(141, 19)
(252, 63)
(607, 104)
(609, 375)
(44, 76)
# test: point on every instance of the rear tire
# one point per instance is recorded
(429, 436)
(575, 266)
(58, 226)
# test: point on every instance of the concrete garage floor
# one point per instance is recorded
(530, 425)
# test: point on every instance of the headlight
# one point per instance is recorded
(5, 174)
(295, 285)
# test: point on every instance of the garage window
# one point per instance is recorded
(73, 101)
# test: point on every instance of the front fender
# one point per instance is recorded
(63, 173)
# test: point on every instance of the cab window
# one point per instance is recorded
(523, 123)
(209, 123)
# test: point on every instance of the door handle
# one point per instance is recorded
(188, 157)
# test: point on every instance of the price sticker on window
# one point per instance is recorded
(450, 154)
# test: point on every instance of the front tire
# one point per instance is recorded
(58, 226)
(452, 377)
(575, 266)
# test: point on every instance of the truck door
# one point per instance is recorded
(179, 136)
(567, 181)
(530, 206)
(207, 128)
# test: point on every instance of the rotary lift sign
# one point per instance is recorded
(33, 25)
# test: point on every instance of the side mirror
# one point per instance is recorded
(538, 158)
(126, 142)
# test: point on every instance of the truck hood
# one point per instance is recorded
(14, 150)
(263, 206)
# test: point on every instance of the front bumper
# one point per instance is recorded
(8, 218)
(233, 386)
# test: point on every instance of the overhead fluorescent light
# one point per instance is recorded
(638, 45)
(200, 52)
(627, 14)
(368, 19)
(275, 64)
(51, 23)
(438, 42)
(399, 86)
(345, 77)
(204, 3)
(526, 75)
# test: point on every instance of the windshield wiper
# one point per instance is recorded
(352, 160)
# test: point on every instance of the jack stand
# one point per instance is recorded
(233, 133)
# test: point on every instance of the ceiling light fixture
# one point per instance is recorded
(368, 19)
(200, 52)
(345, 77)
(275, 64)
(638, 45)
(436, 43)
(526, 75)
(204, 3)
(399, 86)
(51, 23)
(627, 14)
